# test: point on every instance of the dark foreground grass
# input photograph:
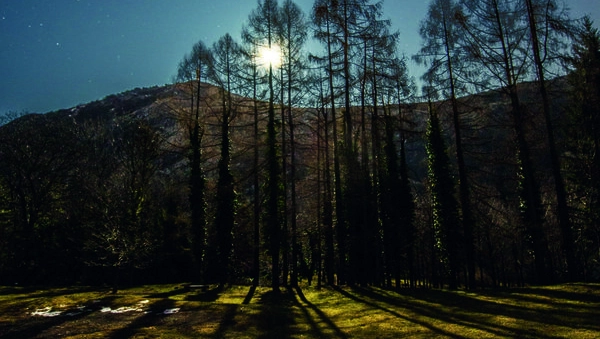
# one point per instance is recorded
(562, 311)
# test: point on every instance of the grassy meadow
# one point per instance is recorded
(170, 311)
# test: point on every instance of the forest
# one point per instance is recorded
(266, 164)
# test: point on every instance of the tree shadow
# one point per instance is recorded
(150, 318)
(394, 313)
(317, 332)
(8, 290)
(33, 326)
(206, 296)
(456, 308)
(276, 317)
(592, 295)
(554, 307)
(227, 322)
(164, 295)
(36, 292)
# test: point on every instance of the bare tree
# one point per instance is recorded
(190, 73)
(261, 30)
(441, 53)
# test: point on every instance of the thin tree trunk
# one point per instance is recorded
(339, 206)
(256, 199)
(562, 208)
(530, 194)
(465, 201)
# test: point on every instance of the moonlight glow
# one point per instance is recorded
(269, 56)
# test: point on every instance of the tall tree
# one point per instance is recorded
(262, 30)
(493, 40)
(225, 68)
(252, 79)
(397, 206)
(190, 72)
(323, 12)
(351, 18)
(293, 31)
(378, 54)
(441, 53)
(444, 205)
(544, 24)
(583, 140)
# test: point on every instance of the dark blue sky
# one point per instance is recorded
(59, 53)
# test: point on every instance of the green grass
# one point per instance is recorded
(561, 311)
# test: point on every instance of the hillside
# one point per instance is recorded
(101, 191)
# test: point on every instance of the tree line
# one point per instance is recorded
(269, 167)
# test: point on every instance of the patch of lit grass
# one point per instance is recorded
(569, 310)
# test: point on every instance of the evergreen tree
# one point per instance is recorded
(582, 167)
(400, 204)
(440, 52)
(446, 225)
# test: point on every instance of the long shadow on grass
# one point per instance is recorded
(550, 312)
(443, 307)
(276, 316)
(322, 316)
(148, 319)
(227, 322)
(375, 305)
(7, 290)
(33, 326)
(206, 296)
(552, 295)
(35, 292)
(470, 312)
(174, 292)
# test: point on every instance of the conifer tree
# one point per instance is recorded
(444, 204)
(441, 53)
(583, 141)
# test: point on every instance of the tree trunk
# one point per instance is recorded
(562, 209)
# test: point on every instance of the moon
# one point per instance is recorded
(269, 56)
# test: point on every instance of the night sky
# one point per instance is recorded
(60, 53)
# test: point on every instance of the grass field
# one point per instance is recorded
(169, 311)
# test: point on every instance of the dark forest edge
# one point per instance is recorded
(327, 168)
